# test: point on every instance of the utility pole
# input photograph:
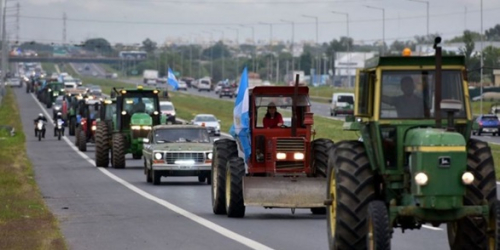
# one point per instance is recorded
(482, 63)
(293, 37)
(18, 13)
(237, 50)
(222, 54)
(211, 54)
(270, 65)
(348, 47)
(317, 63)
(64, 27)
(2, 26)
(383, 25)
(255, 46)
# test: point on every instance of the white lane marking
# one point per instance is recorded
(204, 222)
(432, 228)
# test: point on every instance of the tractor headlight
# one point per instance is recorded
(467, 178)
(146, 127)
(158, 156)
(155, 113)
(50, 90)
(209, 156)
(135, 127)
(421, 179)
(124, 112)
(298, 156)
(280, 156)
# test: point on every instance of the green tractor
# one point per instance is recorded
(52, 90)
(415, 162)
(103, 132)
(137, 111)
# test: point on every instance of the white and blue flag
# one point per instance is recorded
(240, 129)
(172, 80)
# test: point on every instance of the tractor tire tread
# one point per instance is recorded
(118, 145)
(223, 150)
(236, 206)
(379, 217)
(102, 145)
(320, 152)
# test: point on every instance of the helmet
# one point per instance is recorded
(59, 114)
(40, 115)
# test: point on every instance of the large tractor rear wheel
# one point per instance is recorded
(379, 233)
(235, 171)
(102, 145)
(82, 141)
(118, 148)
(471, 232)
(351, 188)
(223, 150)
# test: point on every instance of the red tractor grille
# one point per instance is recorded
(289, 165)
(290, 145)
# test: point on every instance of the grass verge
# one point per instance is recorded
(25, 221)
(49, 67)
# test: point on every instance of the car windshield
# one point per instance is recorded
(346, 98)
(166, 107)
(139, 105)
(489, 118)
(170, 135)
(410, 94)
(205, 118)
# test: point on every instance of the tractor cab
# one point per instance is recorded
(87, 112)
(280, 149)
(53, 90)
(415, 162)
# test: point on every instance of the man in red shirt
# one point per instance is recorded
(273, 119)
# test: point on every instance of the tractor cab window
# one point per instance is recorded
(139, 105)
(110, 111)
(283, 106)
(410, 94)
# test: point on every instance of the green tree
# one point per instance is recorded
(493, 34)
(148, 45)
(471, 60)
(98, 45)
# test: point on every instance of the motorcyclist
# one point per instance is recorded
(57, 120)
(40, 117)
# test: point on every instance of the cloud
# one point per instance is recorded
(46, 2)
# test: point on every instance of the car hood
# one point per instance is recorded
(207, 124)
(183, 146)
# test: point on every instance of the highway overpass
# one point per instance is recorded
(72, 59)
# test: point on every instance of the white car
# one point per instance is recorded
(14, 82)
(168, 109)
(204, 84)
(209, 121)
(182, 86)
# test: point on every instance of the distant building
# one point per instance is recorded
(346, 65)
(427, 49)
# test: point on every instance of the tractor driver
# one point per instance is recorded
(272, 119)
(407, 105)
(139, 107)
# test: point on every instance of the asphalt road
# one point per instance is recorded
(116, 209)
(93, 71)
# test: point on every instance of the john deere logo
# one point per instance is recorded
(444, 161)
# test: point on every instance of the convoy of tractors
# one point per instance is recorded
(411, 166)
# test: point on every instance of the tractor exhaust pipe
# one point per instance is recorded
(438, 85)
(294, 106)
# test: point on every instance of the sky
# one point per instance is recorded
(132, 21)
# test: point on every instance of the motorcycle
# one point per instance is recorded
(59, 130)
(40, 129)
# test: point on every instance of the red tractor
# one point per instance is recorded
(87, 113)
(285, 168)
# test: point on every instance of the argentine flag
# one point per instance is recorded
(240, 129)
(172, 81)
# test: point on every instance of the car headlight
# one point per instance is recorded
(298, 156)
(209, 156)
(280, 156)
(421, 179)
(158, 156)
(467, 178)
(57, 108)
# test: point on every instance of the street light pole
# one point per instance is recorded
(270, 65)
(348, 47)
(427, 3)
(211, 54)
(237, 50)
(255, 46)
(482, 63)
(223, 61)
(383, 25)
(293, 37)
(3, 4)
(317, 64)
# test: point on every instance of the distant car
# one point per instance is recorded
(14, 82)
(226, 90)
(204, 84)
(57, 107)
(168, 109)
(210, 122)
(486, 124)
(177, 150)
(182, 86)
(218, 87)
(94, 89)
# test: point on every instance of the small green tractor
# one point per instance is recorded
(52, 90)
(137, 111)
(415, 162)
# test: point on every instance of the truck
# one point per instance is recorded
(150, 76)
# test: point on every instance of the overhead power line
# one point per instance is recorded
(241, 2)
(84, 20)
